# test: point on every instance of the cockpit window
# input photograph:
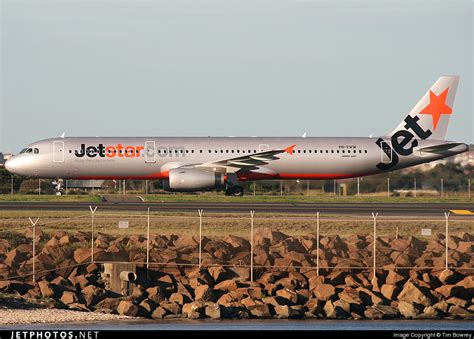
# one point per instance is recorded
(30, 150)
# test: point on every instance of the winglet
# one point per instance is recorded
(289, 150)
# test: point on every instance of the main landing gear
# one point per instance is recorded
(236, 191)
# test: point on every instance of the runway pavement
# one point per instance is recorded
(365, 209)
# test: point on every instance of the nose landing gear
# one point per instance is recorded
(59, 186)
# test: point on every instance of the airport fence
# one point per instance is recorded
(33, 247)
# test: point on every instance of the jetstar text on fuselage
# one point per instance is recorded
(102, 151)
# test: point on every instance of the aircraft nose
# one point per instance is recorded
(12, 165)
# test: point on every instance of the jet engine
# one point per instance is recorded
(192, 179)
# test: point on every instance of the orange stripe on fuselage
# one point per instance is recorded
(266, 176)
(243, 177)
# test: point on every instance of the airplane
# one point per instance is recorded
(187, 164)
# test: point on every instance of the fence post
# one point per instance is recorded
(252, 213)
(442, 187)
(148, 241)
(34, 246)
(317, 243)
(414, 188)
(92, 230)
(469, 188)
(446, 216)
(200, 236)
(375, 215)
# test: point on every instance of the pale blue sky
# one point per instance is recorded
(265, 68)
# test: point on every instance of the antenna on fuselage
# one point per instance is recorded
(304, 135)
(62, 135)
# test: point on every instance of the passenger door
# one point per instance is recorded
(385, 152)
(58, 151)
(150, 151)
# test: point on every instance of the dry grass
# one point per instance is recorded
(223, 224)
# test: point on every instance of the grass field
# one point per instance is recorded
(49, 197)
(222, 224)
(220, 197)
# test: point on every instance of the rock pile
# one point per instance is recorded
(291, 290)
(224, 292)
(272, 248)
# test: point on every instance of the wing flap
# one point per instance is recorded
(247, 162)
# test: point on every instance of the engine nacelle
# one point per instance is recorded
(192, 179)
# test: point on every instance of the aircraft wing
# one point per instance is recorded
(247, 162)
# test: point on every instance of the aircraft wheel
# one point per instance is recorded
(235, 191)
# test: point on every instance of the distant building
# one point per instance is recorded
(4, 158)
(85, 183)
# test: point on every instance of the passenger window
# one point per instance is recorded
(332, 151)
